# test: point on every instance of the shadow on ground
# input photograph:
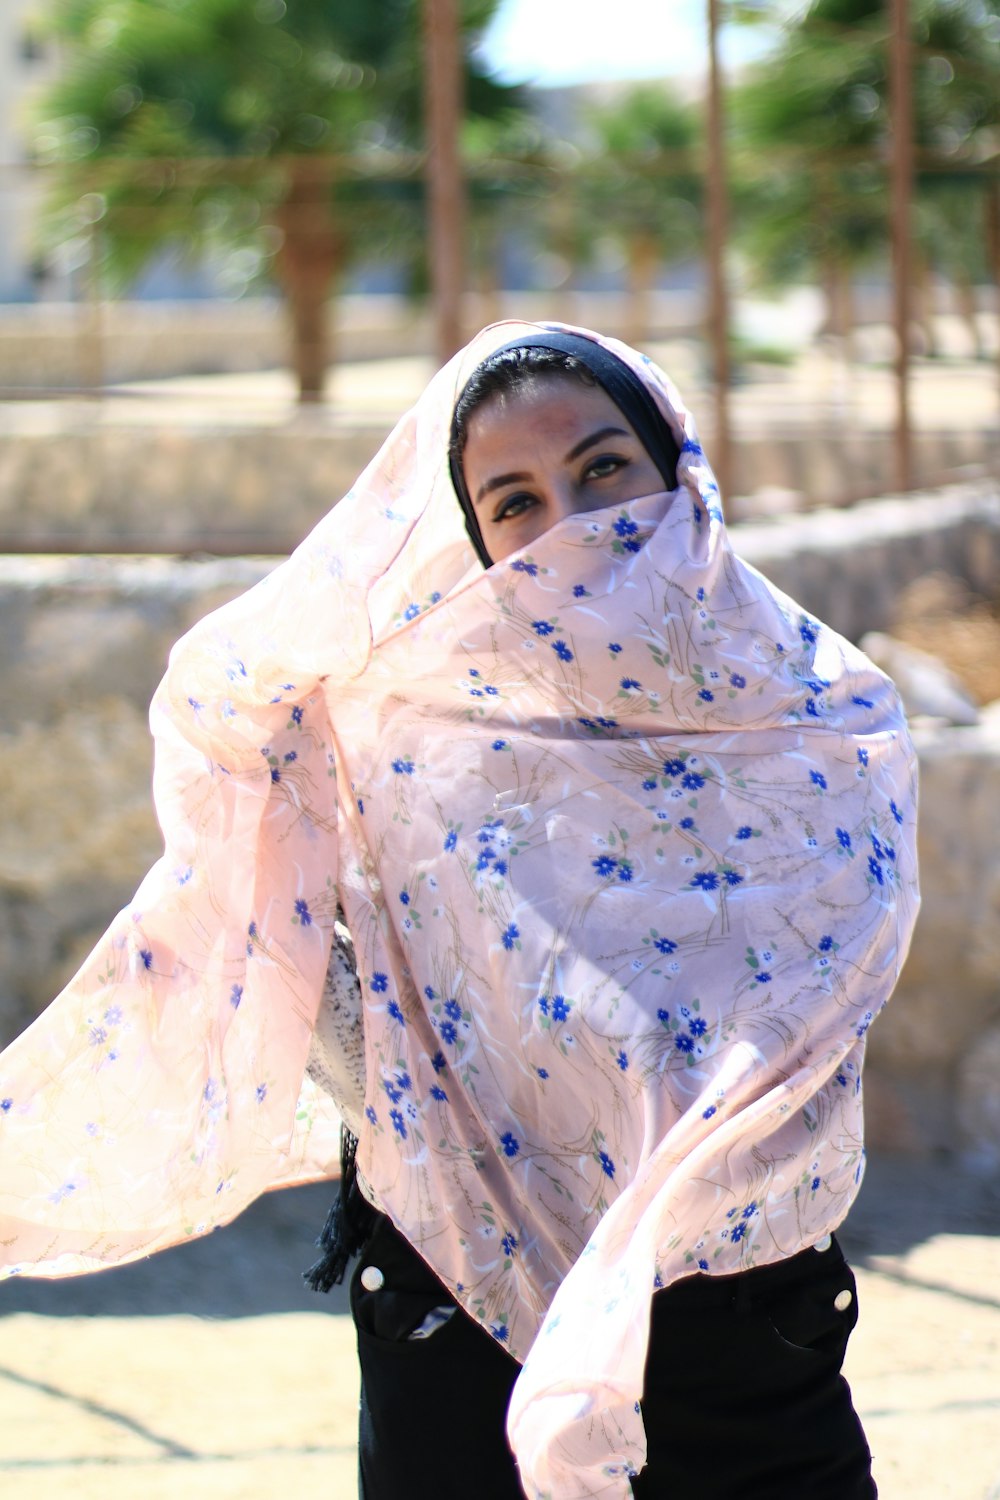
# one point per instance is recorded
(905, 1200)
(254, 1265)
(251, 1267)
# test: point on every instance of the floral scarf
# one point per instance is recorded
(625, 842)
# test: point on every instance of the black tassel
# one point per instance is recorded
(348, 1225)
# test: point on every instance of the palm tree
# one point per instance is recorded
(813, 131)
(282, 132)
(957, 111)
(641, 183)
(810, 125)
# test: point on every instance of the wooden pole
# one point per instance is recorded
(718, 215)
(92, 327)
(443, 113)
(901, 195)
(993, 251)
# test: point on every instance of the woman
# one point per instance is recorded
(624, 841)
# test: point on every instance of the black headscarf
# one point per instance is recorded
(626, 390)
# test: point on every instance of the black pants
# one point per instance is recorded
(743, 1395)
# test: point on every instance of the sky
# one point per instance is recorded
(554, 42)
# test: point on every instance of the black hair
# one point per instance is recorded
(505, 372)
(544, 356)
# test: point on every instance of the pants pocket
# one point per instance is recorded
(405, 1294)
(818, 1315)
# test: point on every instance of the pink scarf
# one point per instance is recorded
(625, 841)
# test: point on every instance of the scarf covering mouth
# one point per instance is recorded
(618, 380)
(625, 840)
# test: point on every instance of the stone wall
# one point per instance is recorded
(166, 489)
(933, 1076)
(53, 344)
(85, 643)
(47, 345)
(86, 640)
(850, 566)
(75, 482)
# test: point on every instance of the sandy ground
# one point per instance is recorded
(211, 1371)
(816, 390)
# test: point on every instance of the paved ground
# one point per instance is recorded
(211, 1371)
(951, 392)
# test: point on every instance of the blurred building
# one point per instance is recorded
(27, 62)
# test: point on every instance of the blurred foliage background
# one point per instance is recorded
(286, 140)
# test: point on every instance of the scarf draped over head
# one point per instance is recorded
(625, 842)
(633, 399)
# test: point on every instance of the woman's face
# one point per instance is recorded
(552, 448)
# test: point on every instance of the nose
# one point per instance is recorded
(564, 498)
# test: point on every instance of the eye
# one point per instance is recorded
(512, 506)
(604, 466)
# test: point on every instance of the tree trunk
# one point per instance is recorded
(562, 247)
(992, 208)
(849, 317)
(923, 303)
(836, 271)
(838, 296)
(643, 260)
(838, 286)
(486, 268)
(310, 255)
(900, 45)
(965, 299)
(92, 323)
(446, 189)
(717, 207)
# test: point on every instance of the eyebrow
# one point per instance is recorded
(595, 437)
(499, 480)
